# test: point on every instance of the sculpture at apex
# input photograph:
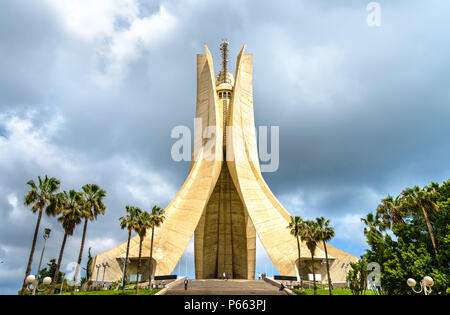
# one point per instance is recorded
(225, 201)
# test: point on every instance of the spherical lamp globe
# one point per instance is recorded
(411, 282)
(47, 280)
(428, 281)
(30, 279)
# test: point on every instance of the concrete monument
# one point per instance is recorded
(225, 201)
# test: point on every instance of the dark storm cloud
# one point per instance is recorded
(362, 111)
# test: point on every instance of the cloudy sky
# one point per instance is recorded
(90, 91)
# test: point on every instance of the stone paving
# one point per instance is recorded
(225, 287)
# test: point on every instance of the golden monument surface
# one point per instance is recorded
(224, 201)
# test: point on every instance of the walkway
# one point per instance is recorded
(223, 287)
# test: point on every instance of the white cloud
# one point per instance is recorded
(32, 150)
(117, 31)
(89, 19)
(101, 244)
(146, 187)
(142, 33)
(18, 212)
(30, 143)
(350, 228)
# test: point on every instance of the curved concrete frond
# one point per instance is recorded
(186, 209)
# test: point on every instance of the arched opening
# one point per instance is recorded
(225, 237)
(306, 270)
(132, 267)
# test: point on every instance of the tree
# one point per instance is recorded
(375, 238)
(441, 223)
(410, 254)
(71, 207)
(49, 271)
(357, 276)
(392, 211)
(374, 224)
(93, 206)
(129, 223)
(141, 227)
(296, 227)
(326, 234)
(407, 251)
(312, 236)
(156, 219)
(41, 197)
(423, 200)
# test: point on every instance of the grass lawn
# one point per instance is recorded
(132, 284)
(115, 292)
(326, 292)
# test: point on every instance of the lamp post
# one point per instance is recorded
(104, 271)
(45, 236)
(425, 285)
(96, 279)
(124, 261)
(32, 283)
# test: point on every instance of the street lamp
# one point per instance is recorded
(124, 262)
(96, 279)
(30, 279)
(425, 285)
(32, 283)
(105, 265)
(45, 236)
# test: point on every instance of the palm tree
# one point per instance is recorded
(424, 201)
(41, 197)
(312, 236)
(93, 206)
(296, 227)
(373, 223)
(392, 211)
(156, 219)
(71, 207)
(326, 233)
(142, 225)
(128, 222)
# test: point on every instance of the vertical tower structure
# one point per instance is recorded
(225, 238)
(225, 201)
